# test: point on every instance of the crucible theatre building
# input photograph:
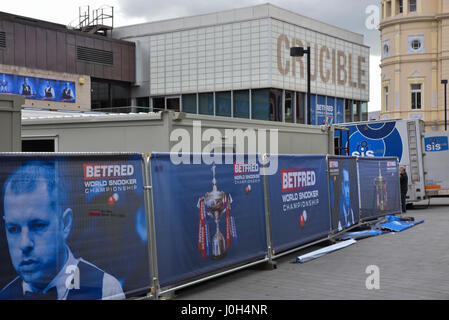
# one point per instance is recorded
(237, 63)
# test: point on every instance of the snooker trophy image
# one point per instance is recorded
(381, 191)
(214, 204)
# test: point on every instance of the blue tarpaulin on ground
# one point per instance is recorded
(385, 225)
(396, 224)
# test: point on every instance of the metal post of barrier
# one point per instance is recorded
(151, 230)
(400, 191)
(358, 186)
(267, 209)
(331, 230)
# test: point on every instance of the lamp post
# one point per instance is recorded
(445, 103)
(299, 52)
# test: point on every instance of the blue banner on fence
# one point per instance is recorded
(72, 227)
(299, 201)
(379, 187)
(207, 217)
(344, 192)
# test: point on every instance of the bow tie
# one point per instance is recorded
(51, 294)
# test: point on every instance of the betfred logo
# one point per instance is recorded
(243, 168)
(95, 171)
(391, 164)
(297, 179)
(333, 164)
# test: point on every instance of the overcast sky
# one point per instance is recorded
(355, 15)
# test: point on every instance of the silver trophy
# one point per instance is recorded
(381, 192)
(215, 203)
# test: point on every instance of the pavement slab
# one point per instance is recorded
(412, 264)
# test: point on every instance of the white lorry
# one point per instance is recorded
(425, 155)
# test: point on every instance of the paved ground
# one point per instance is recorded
(413, 264)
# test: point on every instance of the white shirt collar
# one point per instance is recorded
(60, 281)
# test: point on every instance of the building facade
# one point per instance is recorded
(414, 37)
(55, 67)
(237, 63)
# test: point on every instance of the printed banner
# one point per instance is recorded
(207, 217)
(324, 109)
(381, 139)
(379, 187)
(436, 144)
(344, 192)
(340, 111)
(321, 110)
(299, 201)
(72, 227)
(37, 88)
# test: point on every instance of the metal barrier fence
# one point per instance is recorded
(118, 225)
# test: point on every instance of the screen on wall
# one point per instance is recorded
(38, 88)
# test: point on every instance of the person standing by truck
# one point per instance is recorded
(404, 187)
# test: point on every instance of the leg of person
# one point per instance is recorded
(403, 203)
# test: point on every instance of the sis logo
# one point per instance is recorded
(435, 144)
(362, 150)
(375, 140)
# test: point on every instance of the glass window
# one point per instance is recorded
(416, 94)
(143, 104)
(412, 5)
(288, 106)
(260, 104)
(400, 6)
(206, 103)
(275, 105)
(320, 110)
(173, 103)
(223, 104)
(330, 109)
(241, 104)
(300, 107)
(113, 96)
(121, 97)
(339, 113)
(189, 103)
(416, 44)
(356, 110)
(99, 95)
(364, 110)
(348, 109)
(386, 49)
(158, 103)
(386, 99)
